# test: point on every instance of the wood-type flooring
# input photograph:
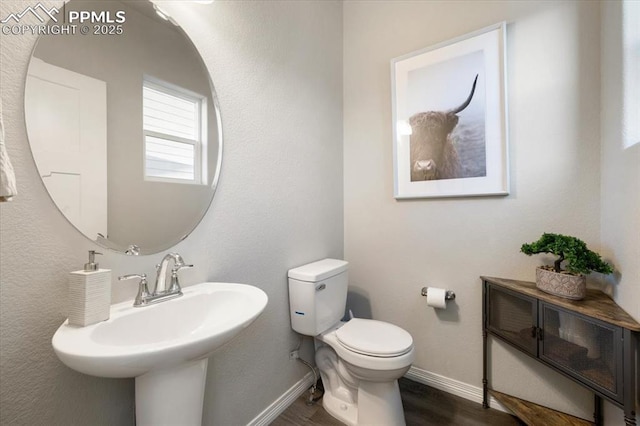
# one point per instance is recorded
(423, 406)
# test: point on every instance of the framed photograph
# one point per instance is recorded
(450, 118)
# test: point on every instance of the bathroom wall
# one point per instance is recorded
(620, 197)
(277, 68)
(396, 247)
(620, 201)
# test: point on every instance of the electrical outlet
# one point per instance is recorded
(294, 355)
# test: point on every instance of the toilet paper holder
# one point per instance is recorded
(448, 295)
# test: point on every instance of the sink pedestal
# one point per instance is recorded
(171, 396)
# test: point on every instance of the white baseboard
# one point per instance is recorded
(452, 386)
(278, 406)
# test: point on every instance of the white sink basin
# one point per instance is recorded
(137, 340)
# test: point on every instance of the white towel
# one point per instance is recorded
(7, 176)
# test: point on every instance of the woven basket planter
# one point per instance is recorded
(564, 285)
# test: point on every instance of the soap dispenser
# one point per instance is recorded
(89, 293)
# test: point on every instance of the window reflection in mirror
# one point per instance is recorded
(175, 133)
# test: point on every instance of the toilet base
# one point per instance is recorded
(378, 404)
(346, 412)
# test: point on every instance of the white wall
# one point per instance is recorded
(394, 248)
(620, 202)
(620, 188)
(277, 67)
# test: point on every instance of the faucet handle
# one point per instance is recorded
(178, 267)
(175, 284)
(132, 276)
(143, 289)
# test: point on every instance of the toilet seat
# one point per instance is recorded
(374, 338)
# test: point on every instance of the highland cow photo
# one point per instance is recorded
(447, 138)
(449, 118)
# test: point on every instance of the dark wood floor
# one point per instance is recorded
(422, 406)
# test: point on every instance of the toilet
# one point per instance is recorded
(361, 360)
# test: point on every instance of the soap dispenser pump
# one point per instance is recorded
(92, 265)
(89, 293)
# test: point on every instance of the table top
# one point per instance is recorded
(596, 304)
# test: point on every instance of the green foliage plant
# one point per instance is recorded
(579, 259)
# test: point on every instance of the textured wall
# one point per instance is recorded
(277, 68)
(553, 101)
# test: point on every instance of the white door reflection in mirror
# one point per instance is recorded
(67, 125)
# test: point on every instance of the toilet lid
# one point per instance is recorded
(374, 338)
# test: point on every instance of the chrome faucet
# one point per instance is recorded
(161, 277)
(159, 293)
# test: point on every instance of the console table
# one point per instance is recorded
(591, 341)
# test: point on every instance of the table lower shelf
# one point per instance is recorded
(537, 415)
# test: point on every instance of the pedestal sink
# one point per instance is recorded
(164, 346)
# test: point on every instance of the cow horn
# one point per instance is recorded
(468, 101)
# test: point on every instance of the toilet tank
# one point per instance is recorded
(317, 295)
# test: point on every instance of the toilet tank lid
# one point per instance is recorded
(318, 271)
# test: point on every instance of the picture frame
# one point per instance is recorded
(449, 118)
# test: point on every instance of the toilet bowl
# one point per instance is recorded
(364, 359)
(360, 360)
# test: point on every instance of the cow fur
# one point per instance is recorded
(431, 144)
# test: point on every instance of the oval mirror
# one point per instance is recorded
(124, 124)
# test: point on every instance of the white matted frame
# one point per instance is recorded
(440, 150)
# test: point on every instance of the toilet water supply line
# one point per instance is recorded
(312, 389)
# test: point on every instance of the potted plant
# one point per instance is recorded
(571, 281)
